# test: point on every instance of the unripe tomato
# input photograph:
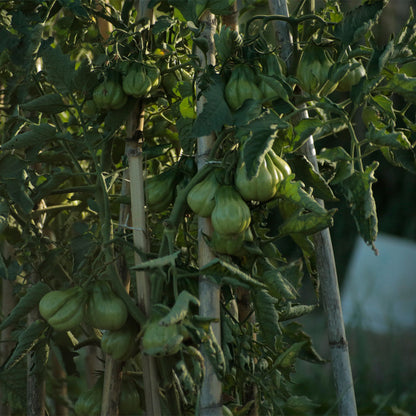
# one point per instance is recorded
(230, 244)
(120, 344)
(153, 73)
(271, 89)
(109, 95)
(313, 68)
(262, 187)
(130, 402)
(63, 309)
(352, 77)
(201, 198)
(136, 82)
(89, 402)
(160, 190)
(282, 166)
(161, 340)
(231, 215)
(241, 86)
(105, 310)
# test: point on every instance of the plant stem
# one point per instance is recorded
(326, 267)
(210, 396)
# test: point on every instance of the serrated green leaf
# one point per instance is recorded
(40, 357)
(27, 340)
(220, 269)
(403, 158)
(357, 190)
(307, 224)
(214, 353)
(179, 309)
(38, 134)
(303, 130)
(12, 176)
(293, 191)
(157, 263)
(334, 154)
(403, 85)
(394, 140)
(287, 358)
(358, 22)
(49, 104)
(379, 58)
(295, 311)
(162, 24)
(261, 134)
(266, 316)
(60, 70)
(215, 112)
(31, 299)
(277, 285)
(307, 174)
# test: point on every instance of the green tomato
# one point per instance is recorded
(201, 198)
(89, 402)
(231, 215)
(162, 340)
(230, 244)
(313, 68)
(136, 82)
(352, 77)
(120, 344)
(63, 309)
(241, 86)
(109, 95)
(105, 310)
(281, 165)
(261, 187)
(130, 401)
(160, 190)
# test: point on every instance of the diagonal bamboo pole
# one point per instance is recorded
(325, 261)
(210, 397)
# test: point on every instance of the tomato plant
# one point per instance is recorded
(204, 136)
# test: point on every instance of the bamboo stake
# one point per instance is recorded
(138, 215)
(210, 397)
(340, 360)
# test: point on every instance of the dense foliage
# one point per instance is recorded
(66, 97)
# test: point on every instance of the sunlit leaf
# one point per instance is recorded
(358, 191)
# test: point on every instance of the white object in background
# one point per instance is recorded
(379, 292)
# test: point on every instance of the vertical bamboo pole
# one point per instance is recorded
(340, 360)
(210, 397)
(138, 216)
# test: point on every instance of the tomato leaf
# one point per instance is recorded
(293, 191)
(287, 358)
(49, 103)
(221, 270)
(358, 22)
(215, 111)
(308, 223)
(267, 316)
(27, 340)
(179, 309)
(59, 68)
(394, 140)
(357, 190)
(38, 134)
(32, 297)
(261, 134)
(307, 174)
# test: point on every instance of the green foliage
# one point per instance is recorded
(63, 188)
